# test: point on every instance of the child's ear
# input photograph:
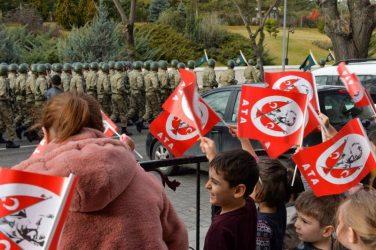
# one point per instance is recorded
(239, 191)
(328, 231)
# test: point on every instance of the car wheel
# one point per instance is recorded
(160, 152)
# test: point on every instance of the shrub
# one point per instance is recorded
(323, 44)
(321, 26)
(271, 26)
(65, 13)
(9, 50)
(27, 16)
(169, 43)
(172, 18)
(210, 31)
(156, 8)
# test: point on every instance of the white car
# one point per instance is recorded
(365, 69)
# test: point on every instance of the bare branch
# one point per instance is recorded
(124, 18)
(244, 18)
(266, 16)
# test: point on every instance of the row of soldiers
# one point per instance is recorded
(126, 91)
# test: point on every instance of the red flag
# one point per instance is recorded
(297, 81)
(270, 115)
(174, 134)
(339, 163)
(33, 208)
(110, 127)
(186, 104)
(354, 87)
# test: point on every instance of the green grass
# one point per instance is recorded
(299, 45)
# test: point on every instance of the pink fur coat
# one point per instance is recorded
(116, 205)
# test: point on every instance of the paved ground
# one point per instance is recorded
(184, 199)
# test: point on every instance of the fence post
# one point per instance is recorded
(198, 206)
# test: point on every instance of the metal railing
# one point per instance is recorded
(153, 165)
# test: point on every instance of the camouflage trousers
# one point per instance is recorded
(105, 102)
(92, 93)
(20, 111)
(119, 107)
(29, 113)
(153, 106)
(136, 106)
(7, 119)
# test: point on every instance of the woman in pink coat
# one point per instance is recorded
(116, 205)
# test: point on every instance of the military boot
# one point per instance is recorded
(2, 140)
(11, 144)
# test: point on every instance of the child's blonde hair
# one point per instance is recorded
(359, 213)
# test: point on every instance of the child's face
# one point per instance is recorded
(219, 189)
(308, 228)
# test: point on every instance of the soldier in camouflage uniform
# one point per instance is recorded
(227, 78)
(164, 81)
(111, 65)
(174, 74)
(85, 70)
(118, 91)
(20, 94)
(40, 91)
(66, 76)
(104, 89)
(57, 68)
(91, 80)
(152, 93)
(146, 68)
(12, 77)
(2, 130)
(137, 96)
(5, 108)
(29, 95)
(209, 80)
(48, 75)
(191, 65)
(251, 73)
(77, 82)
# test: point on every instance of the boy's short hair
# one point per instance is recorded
(237, 167)
(323, 208)
(56, 80)
(274, 189)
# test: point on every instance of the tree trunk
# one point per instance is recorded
(350, 36)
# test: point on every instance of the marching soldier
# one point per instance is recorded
(92, 78)
(5, 108)
(40, 90)
(48, 74)
(66, 76)
(174, 74)
(77, 82)
(164, 81)
(104, 89)
(191, 65)
(29, 95)
(12, 77)
(209, 80)
(227, 78)
(85, 70)
(152, 93)
(146, 67)
(20, 94)
(137, 96)
(111, 65)
(251, 73)
(57, 69)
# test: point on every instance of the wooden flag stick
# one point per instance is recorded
(135, 151)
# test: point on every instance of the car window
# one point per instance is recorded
(234, 117)
(335, 80)
(218, 101)
(337, 106)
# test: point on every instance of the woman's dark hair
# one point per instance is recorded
(69, 112)
(273, 182)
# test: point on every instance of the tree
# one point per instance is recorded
(256, 36)
(350, 32)
(65, 13)
(9, 51)
(86, 11)
(157, 7)
(128, 26)
(271, 27)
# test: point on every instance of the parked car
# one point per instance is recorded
(334, 102)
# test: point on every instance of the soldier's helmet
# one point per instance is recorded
(147, 65)
(3, 70)
(251, 62)
(41, 68)
(111, 64)
(105, 67)
(48, 66)
(322, 62)
(23, 68)
(34, 68)
(174, 63)
(118, 66)
(231, 64)
(94, 66)
(163, 64)
(77, 67)
(67, 67)
(13, 67)
(86, 66)
(211, 63)
(154, 66)
(57, 67)
(191, 64)
(181, 65)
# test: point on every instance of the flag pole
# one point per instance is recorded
(322, 125)
(245, 60)
(206, 55)
(135, 151)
